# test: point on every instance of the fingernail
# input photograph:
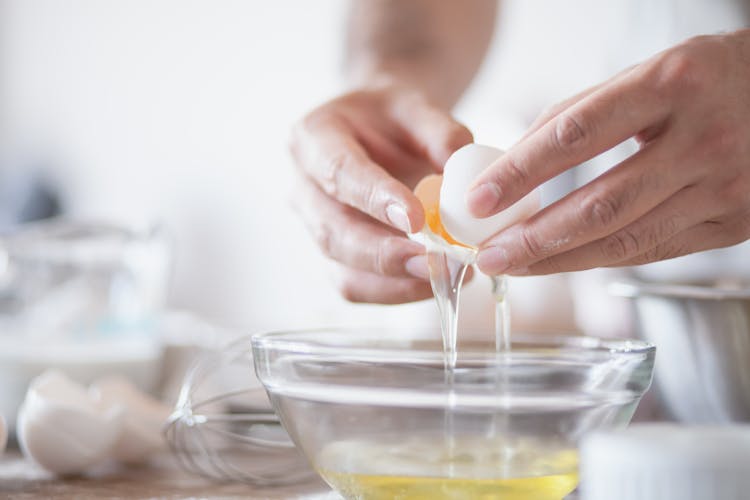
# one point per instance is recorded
(417, 267)
(397, 217)
(493, 260)
(483, 199)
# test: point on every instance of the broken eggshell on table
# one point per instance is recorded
(67, 428)
(142, 420)
(63, 429)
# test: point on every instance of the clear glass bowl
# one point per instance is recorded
(379, 417)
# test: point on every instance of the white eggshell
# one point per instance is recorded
(143, 418)
(3, 434)
(62, 428)
(460, 171)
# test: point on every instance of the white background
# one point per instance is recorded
(178, 111)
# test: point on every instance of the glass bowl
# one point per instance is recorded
(379, 417)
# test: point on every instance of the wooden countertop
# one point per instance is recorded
(162, 478)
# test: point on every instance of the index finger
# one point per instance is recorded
(590, 126)
(333, 158)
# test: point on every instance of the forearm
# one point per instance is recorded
(436, 46)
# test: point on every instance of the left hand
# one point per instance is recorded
(686, 190)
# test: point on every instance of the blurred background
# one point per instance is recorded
(177, 113)
(170, 118)
(151, 136)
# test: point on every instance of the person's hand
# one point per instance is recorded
(359, 156)
(686, 190)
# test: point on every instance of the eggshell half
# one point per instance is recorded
(460, 171)
(64, 430)
(143, 418)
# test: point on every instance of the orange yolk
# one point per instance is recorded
(428, 192)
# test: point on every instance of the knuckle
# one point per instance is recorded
(677, 71)
(599, 210)
(664, 251)
(571, 131)
(513, 174)
(324, 236)
(348, 288)
(332, 167)
(378, 195)
(369, 197)
(370, 200)
(531, 245)
(621, 245)
(388, 257)
(666, 228)
(458, 135)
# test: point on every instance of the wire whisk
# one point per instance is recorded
(223, 426)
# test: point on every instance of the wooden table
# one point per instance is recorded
(162, 478)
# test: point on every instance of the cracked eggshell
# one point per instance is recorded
(3, 434)
(143, 418)
(460, 171)
(62, 428)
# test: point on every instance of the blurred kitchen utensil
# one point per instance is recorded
(81, 297)
(703, 337)
(666, 462)
(3, 435)
(223, 426)
(71, 275)
(29, 191)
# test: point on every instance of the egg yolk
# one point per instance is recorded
(428, 192)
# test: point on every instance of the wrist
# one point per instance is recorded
(402, 78)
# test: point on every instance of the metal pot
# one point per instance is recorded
(702, 334)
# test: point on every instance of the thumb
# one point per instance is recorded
(432, 131)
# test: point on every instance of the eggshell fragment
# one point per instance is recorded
(460, 171)
(428, 193)
(143, 418)
(63, 429)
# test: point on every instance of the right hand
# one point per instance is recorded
(359, 157)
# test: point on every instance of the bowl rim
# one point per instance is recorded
(634, 289)
(279, 340)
